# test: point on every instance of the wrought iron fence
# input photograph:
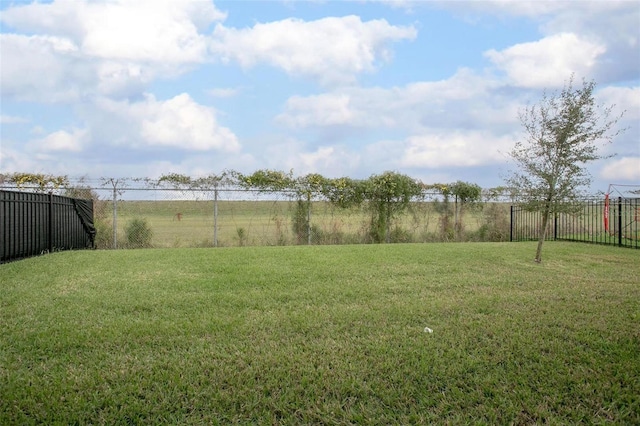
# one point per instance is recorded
(33, 223)
(155, 216)
(127, 217)
(604, 221)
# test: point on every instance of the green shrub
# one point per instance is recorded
(333, 236)
(497, 224)
(241, 234)
(104, 234)
(400, 235)
(138, 233)
(300, 222)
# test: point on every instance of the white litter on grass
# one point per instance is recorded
(428, 330)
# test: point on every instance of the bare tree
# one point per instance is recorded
(563, 133)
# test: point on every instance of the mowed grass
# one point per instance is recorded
(323, 335)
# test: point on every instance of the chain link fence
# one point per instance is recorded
(143, 217)
(271, 208)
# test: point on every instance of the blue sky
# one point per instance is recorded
(141, 88)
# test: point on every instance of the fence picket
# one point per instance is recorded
(31, 224)
(587, 225)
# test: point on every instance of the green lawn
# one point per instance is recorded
(323, 335)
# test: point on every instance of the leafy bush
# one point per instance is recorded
(400, 235)
(333, 236)
(300, 222)
(241, 233)
(497, 224)
(138, 233)
(104, 234)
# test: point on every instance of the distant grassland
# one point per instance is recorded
(323, 335)
(177, 223)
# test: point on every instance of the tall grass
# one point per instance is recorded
(191, 223)
(325, 335)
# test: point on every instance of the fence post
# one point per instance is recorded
(309, 218)
(511, 222)
(215, 216)
(555, 226)
(115, 217)
(620, 221)
(50, 236)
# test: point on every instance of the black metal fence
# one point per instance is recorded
(615, 222)
(32, 224)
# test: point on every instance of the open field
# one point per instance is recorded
(258, 222)
(324, 335)
(250, 223)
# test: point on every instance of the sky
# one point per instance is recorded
(430, 89)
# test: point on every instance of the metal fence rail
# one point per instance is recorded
(159, 217)
(32, 224)
(141, 217)
(217, 217)
(169, 217)
(595, 221)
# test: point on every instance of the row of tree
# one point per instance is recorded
(385, 196)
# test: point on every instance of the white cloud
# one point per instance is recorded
(223, 92)
(37, 130)
(455, 149)
(147, 30)
(114, 47)
(182, 122)
(118, 47)
(55, 153)
(516, 8)
(138, 30)
(60, 18)
(120, 78)
(102, 58)
(328, 160)
(179, 122)
(612, 24)
(137, 138)
(463, 85)
(464, 121)
(331, 49)
(555, 16)
(63, 140)
(625, 99)
(466, 100)
(327, 109)
(12, 119)
(624, 169)
(14, 160)
(41, 68)
(53, 69)
(399, 4)
(548, 62)
(593, 18)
